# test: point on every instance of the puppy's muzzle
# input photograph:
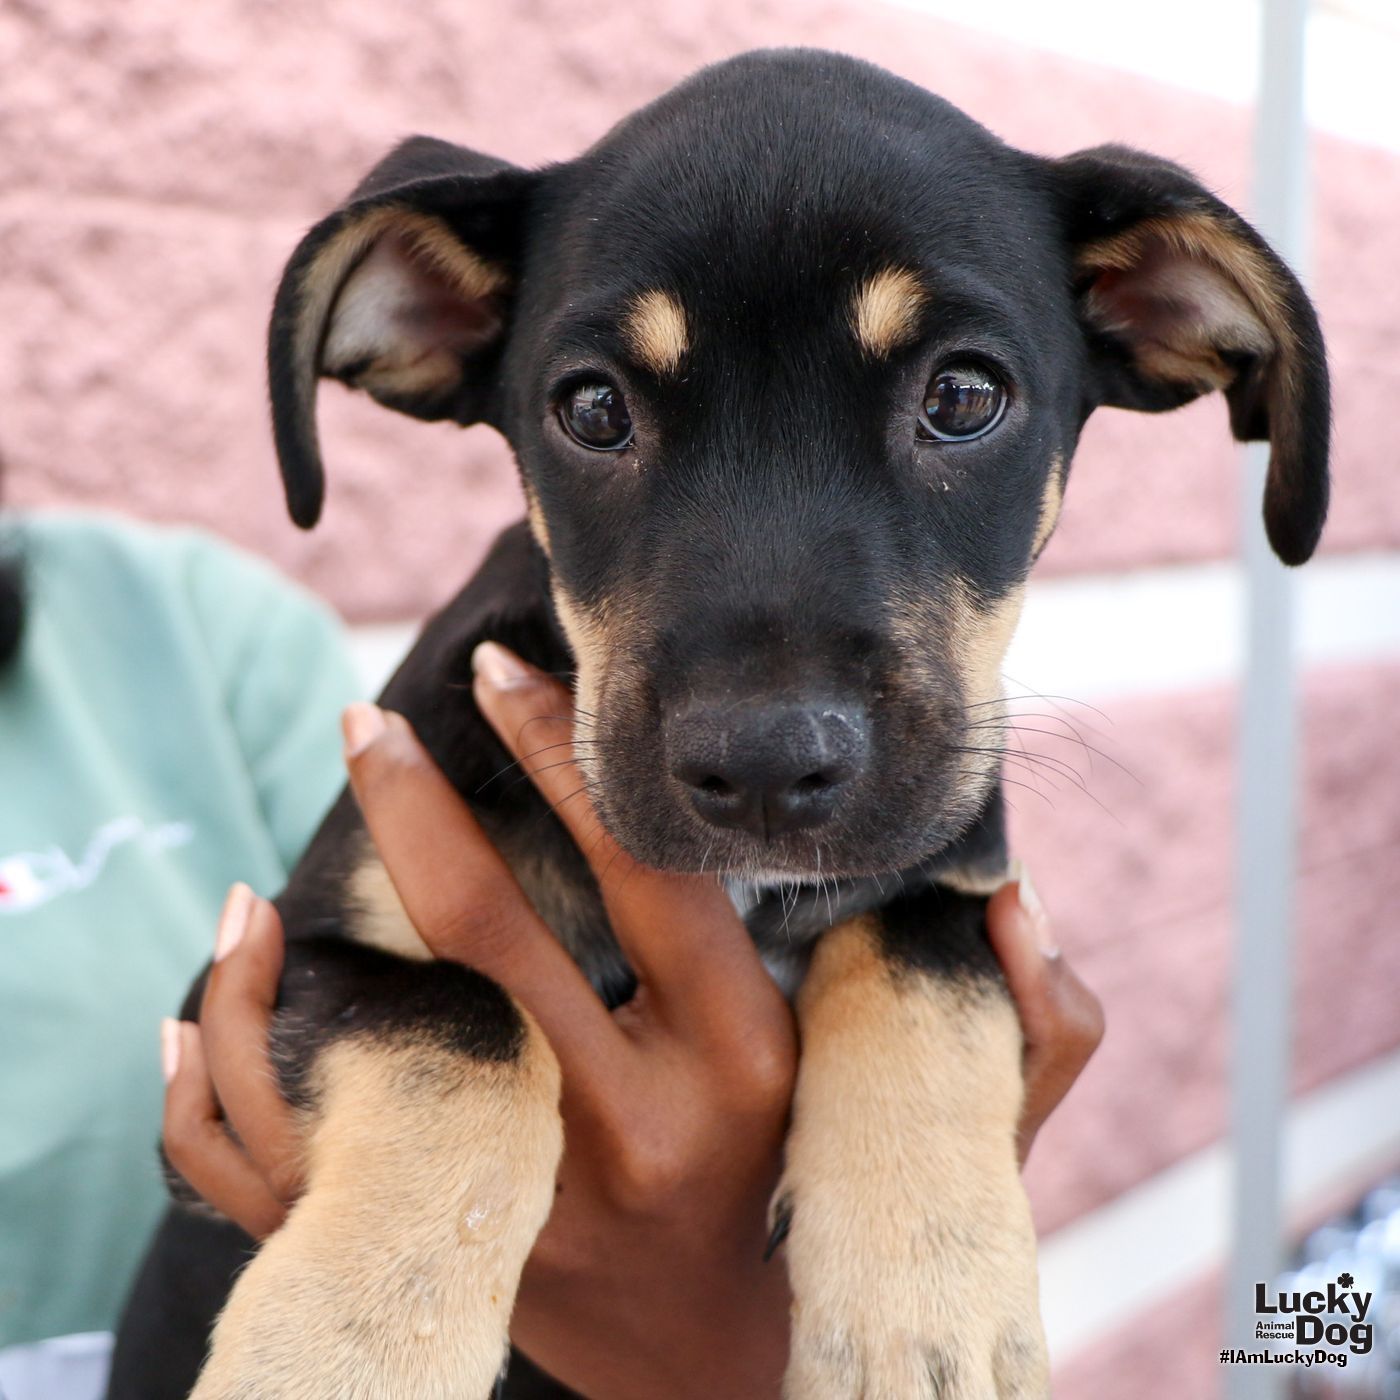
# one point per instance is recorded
(771, 768)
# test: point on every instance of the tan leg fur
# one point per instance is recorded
(911, 1250)
(430, 1176)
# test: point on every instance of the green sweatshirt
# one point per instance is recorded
(168, 726)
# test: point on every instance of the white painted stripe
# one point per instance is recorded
(377, 648)
(1181, 628)
(1172, 629)
(1103, 1270)
(1353, 50)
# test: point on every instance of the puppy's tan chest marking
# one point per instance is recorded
(911, 1250)
(377, 915)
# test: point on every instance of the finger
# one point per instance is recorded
(197, 1142)
(459, 892)
(679, 932)
(235, 1020)
(1051, 1069)
(1020, 934)
(1061, 1019)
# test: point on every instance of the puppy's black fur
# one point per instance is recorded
(777, 538)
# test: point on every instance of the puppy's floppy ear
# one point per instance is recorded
(402, 292)
(1179, 296)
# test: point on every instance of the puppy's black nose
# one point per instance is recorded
(768, 769)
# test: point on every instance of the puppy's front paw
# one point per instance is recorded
(910, 1247)
(394, 1275)
(909, 1300)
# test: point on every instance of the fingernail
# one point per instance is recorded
(1035, 911)
(169, 1047)
(500, 668)
(361, 724)
(233, 922)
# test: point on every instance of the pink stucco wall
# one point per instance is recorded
(160, 159)
(1137, 873)
(1171, 1351)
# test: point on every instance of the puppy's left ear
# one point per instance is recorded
(1178, 296)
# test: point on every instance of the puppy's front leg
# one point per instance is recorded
(910, 1246)
(431, 1163)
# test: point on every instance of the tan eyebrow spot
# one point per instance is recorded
(655, 331)
(885, 311)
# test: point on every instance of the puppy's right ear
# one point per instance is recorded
(402, 292)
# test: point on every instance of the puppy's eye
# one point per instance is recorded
(963, 400)
(595, 416)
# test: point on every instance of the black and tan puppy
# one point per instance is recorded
(794, 362)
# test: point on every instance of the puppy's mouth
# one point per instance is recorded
(770, 867)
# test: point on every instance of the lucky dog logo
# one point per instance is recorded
(1333, 1321)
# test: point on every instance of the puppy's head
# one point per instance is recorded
(794, 363)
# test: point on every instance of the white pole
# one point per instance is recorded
(1266, 812)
